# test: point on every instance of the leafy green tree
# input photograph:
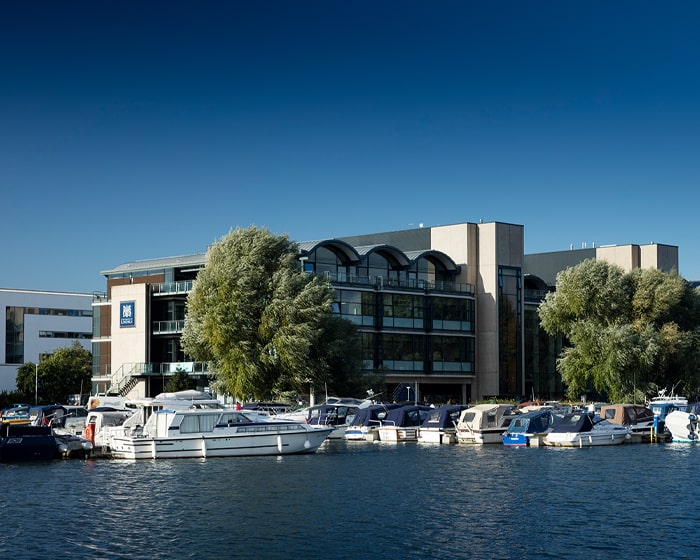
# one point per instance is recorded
(627, 332)
(262, 323)
(180, 381)
(68, 371)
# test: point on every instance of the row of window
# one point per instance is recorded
(388, 310)
(59, 334)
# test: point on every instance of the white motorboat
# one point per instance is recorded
(365, 425)
(583, 429)
(403, 423)
(201, 433)
(683, 425)
(639, 419)
(484, 423)
(136, 412)
(440, 425)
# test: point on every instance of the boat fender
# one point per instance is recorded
(692, 435)
(90, 433)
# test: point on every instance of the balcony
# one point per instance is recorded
(168, 327)
(173, 288)
(380, 282)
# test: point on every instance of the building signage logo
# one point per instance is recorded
(126, 314)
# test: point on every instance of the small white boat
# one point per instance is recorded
(662, 405)
(639, 419)
(441, 424)
(365, 425)
(484, 423)
(403, 423)
(583, 429)
(201, 433)
(529, 428)
(683, 425)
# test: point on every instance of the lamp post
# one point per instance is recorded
(36, 384)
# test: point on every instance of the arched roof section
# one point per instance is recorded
(396, 257)
(437, 258)
(345, 252)
(533, 282)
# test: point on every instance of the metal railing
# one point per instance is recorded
(168, 327)
(173, 288)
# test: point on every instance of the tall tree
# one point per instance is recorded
(627, 332)
(259, 320)
(68, 371)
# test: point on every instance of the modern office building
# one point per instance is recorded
(444, 312)
(36, 324)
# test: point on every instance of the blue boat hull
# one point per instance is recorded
(26, 443)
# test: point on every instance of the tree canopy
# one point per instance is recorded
(68, 371)
(627, 333)
(264, 325)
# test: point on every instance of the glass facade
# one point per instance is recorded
(405, 327)
(14, 328)
(510, 287)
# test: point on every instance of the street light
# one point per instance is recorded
(36, 384)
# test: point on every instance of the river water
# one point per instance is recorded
(357, 500)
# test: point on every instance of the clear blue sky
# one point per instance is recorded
(137, 129)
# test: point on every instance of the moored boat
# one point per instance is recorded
(484, 423)
(22, 443)
(638, 418)
(662, 405)
(402, 423)
(683, 424)
(212, 433)
(529, 428)
(365, 425)
(440, 426)
(583, 429)
(98, 424)
(16, 414)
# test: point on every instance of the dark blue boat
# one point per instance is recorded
(21, 443)
(364, 425)
(401, 424)
(524, 427)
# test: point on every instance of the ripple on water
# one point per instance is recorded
(359, 501)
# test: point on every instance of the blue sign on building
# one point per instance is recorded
(126, 314)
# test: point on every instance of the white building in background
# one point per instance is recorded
(36, 324)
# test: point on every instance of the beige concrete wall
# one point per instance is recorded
(459, 241)
(498, 245)
(129, 343)
(663, 257)
(624, 256)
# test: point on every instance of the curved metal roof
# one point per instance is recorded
(343, 250)
(438, 258)
(393, 254)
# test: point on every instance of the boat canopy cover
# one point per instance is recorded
(373, 414)
(626, 414)
(408, 415)
(444, 417)
(535, 422)
(331, 414)
(577, 422)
